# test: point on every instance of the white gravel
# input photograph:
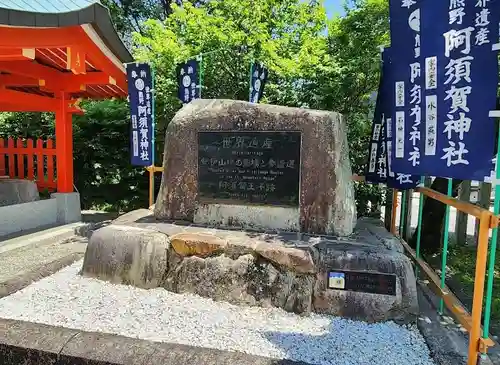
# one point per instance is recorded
(68, 300)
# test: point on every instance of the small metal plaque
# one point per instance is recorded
(362, 281)
(249, 167)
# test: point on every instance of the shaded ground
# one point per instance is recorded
(460, 278)
(461, 264)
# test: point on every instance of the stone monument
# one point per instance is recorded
(256, 207)
(236, 164)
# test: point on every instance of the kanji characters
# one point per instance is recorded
(459, 69)
(458, 96)
(482, 37)
(454, 39)
(454, 155)
(458, 126)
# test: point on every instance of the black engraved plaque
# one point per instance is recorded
(249, 167)
(362, 281)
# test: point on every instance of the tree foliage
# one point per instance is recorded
(313, 62)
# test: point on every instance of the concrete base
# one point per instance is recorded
(68, 207)
(37, 344)
(60, 209)
(248, 217)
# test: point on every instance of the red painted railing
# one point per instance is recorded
(23, 159)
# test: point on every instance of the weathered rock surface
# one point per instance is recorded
(327, 203)
(301, 261)
(283, 270)
(367, 306)
(196, 244)
(127, 255)
(17, 191)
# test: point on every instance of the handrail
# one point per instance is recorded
(470, 321)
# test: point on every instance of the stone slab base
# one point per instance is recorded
(60, 209)
(285, 270)
(68, 207)
(17, 191)
(27, 343)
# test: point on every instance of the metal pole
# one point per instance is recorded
(394, 210)
(493, 248)
(151, 185)
(153, 133)
(199, 58)
(250, 83)
(444, 253)
(419, 224)
(477, 303)
(402, 214)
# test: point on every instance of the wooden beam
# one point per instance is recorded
(19, 54)
(71, 81)
(17, 80)
(29, 69)
(100, 60)
(20, 37)
(26, 100)
(26, 75)
(4, 107)
(76, 60)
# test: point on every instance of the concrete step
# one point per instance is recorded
(32, 257)
(39, 237)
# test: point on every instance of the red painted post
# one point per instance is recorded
(11, 156)
(30, 156)
(40, 162)
(2, 157)
(64, 147)
(50, 164)
(20, 158)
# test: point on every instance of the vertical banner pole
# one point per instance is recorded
(402, 213)
(250, 81)
(394, 210)
(477, 302)
(200, 59)
(444, 253)
(493, 248)
(153, 134)
(151, 185)
(419, 224)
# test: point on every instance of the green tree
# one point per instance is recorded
(313, 63)
(291, 42)
(129, 15)
(348, 81)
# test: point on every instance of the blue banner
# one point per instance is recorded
(376, 168)
(379, 168)
(257, 82)
(188, 78)
(446, 86)
(141, 100)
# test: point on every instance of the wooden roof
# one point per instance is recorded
(49, 47)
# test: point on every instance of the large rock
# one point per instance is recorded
(345, 256)
(284, 270)
(327, 203)
(127, 255)
(246, 280)
(17, 191)
(196, 244)
(292, 258)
